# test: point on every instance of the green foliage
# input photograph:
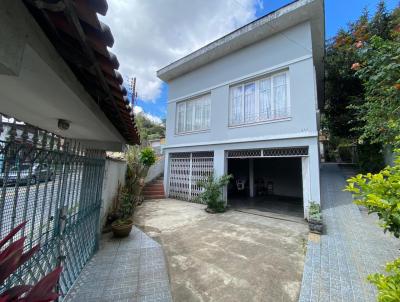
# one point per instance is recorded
(388, 285)
(135, 173)
(212, 192)
(147, 128)
(380, 193)
(361, 98)
(314, 211)
(126, 205)
(147, 156)
(380, 73)
(370, 158)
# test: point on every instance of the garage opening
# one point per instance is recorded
(267, 184)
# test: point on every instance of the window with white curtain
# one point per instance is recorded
(259, 101)
(193, 115)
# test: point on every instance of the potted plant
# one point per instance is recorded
(122, 227)
(212, 192)
(315, 218)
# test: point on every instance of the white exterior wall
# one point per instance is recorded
(114, 174)
(274, 54)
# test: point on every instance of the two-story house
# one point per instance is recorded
(248, 104)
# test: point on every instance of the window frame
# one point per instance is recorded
(204, 98)
(256, 81)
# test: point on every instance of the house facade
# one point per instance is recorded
(247, 104)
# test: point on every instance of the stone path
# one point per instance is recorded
(351, 247)
(131, 269)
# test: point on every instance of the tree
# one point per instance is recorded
(149, 129)
(379, 70)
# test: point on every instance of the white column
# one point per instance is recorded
(220, 167)
(305, 172)
(251, 176)
(314, 172)
(166, 173)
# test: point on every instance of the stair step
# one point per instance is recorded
(153, 192)
(154, 197)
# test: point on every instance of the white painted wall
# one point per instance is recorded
(114, 174)
(155, 170)
(273, 54)
(270, 55)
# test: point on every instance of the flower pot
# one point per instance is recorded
(315, 226)
(122, 229)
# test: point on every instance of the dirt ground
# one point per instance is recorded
(233, 256)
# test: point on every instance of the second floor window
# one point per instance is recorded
(259, 101)
(193, 115)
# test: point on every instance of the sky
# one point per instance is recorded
(153, 33)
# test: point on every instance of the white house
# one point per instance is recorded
(248, 104)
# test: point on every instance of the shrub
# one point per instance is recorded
(370, 158)
(380, 193)
(147, 156)
(212, 192)
(388, 285)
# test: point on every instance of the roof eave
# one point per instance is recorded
(275, 22)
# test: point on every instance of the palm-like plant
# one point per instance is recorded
(12, 256)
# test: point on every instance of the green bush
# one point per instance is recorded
(212, 192)
(147, 156)
(388, 285)
(380, 193)
(370, 158)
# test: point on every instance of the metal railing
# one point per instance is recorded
(55, 185)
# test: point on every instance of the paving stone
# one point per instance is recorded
(130, 269)
(352, 247)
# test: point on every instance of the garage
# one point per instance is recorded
(269, 180)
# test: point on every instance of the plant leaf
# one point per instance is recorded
(11, 234)
(42, 291)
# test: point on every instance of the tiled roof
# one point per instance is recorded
(82, 40)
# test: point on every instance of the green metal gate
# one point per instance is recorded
(55, 185)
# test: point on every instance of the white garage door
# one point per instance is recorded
(186, 170)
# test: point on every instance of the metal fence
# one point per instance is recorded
(186, 170)
(55, 185)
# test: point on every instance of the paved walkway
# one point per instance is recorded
(352, 247)
(131, 269)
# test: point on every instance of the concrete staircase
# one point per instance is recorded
(154, 189)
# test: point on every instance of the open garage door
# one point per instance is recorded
(269, 180)
(186, 169)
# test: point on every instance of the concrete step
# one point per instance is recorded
(154, 197)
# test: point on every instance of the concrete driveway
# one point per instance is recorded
(233, 256)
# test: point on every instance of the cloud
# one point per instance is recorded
(151, 34)
(153, 118)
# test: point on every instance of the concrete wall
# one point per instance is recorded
(155, 170)
(263, 58)
(114, 174)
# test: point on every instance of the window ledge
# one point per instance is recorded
(261, 123)
(192, 132)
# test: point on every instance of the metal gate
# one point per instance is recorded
(55, 185)
(186, 170)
